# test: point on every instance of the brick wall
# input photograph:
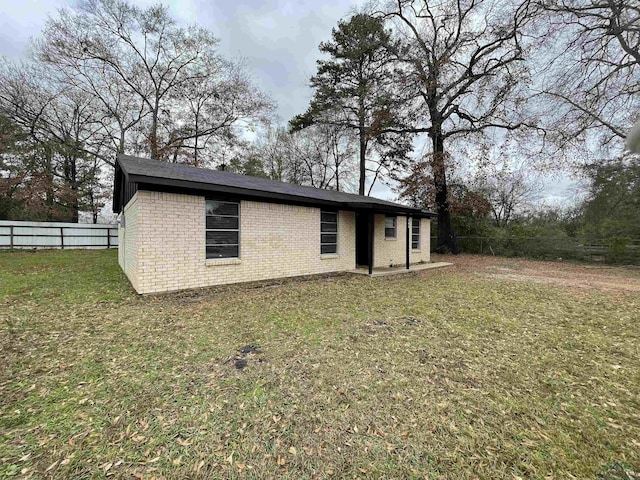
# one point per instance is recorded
(387, 251)
(425, 240)
(275, 241)
(128, 246)
(162, 243)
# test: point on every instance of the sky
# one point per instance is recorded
(278, 38)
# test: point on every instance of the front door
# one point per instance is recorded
(362, 239)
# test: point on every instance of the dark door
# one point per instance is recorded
(362, 243)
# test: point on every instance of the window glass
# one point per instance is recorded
(415, 233)
(328, 232)
(222, 231)
(222, 251)
(327, 248)
(390, 226)
(329, 238)
(328, 227)
(222, 208)
(328, 217)
(222, 223)
(220, 237)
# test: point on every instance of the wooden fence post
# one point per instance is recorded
(11, 237)
(62, 237)
(108, 238)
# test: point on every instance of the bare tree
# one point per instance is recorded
(208, 109)
(464, 62)
(61, 124)
(274, 147)
(633, 139)
(509, 192)
(321, 156)
(327, 155)
(150, 76)
(594, 72)
(417, 189)
(108, 77)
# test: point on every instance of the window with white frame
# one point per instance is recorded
(328, 232)
(415, 233)
(390, 222)
(222, 229)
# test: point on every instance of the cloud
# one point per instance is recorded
(22, 20)
(278, 38)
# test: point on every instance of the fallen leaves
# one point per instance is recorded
(495, 375)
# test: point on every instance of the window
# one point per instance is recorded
(389, 226)
(328, 232)
(415, 233)
(222, 229)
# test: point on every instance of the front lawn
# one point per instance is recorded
(485, 370)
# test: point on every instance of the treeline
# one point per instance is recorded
(505, 217)
(107, 77)
(458, 106)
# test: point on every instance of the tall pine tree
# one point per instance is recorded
(353, 89)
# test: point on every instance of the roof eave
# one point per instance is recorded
(120, 176)
(189, 185)
(192, 186)
(392, 209)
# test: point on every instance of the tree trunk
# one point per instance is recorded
(73, 184)
(362, 135)
(153, 139)
(122, 141)
(49, 197)
(446, 238)
(363, 162)
(195, 141)
(153, 135)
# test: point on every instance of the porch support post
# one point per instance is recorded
(370, 241)
(407, 235)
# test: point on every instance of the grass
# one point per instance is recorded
(444, 374)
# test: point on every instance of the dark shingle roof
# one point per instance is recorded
(159, 174)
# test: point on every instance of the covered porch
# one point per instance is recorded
(392, 240)
(384, 271)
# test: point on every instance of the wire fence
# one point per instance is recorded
(618, 250)
(40, 235)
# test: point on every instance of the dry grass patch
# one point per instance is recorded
(444, 374)
(573, 275)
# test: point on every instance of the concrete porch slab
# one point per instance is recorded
(384, 271)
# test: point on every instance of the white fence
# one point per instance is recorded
(15, 234)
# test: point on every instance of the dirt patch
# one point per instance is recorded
(591, 277)
(246, 354)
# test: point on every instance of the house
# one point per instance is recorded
(185, 227)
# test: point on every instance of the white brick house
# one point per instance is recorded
(185, 227)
